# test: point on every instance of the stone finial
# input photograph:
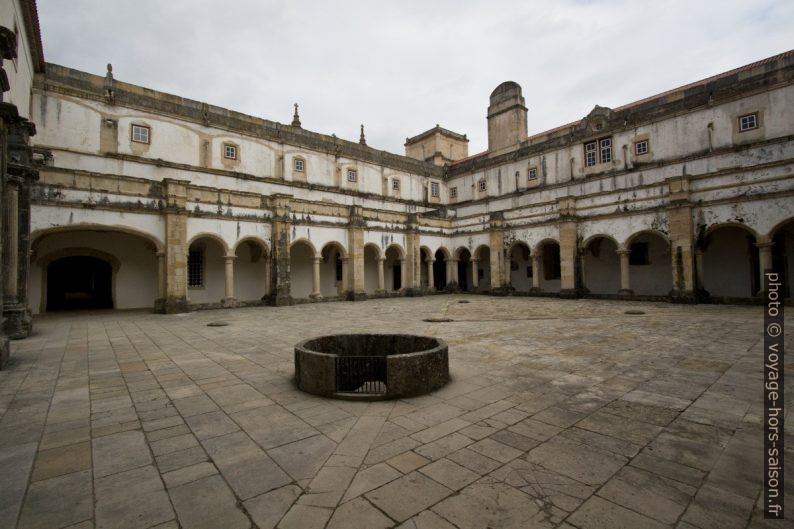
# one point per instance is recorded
(296, 120)
(109, 92)
(362, 140)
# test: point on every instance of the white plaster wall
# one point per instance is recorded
(602, 273)
(19, 70)
(214, 289)
(727, 269)
(300, 269)
(656, 278)
(518, 278)
(250, 273)
(136, 280)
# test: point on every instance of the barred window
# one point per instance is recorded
(434, 189)
(195, 269)
(140, 134)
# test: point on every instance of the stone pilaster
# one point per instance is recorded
(176, 248)
(280, 277)
(496, 242)
(413, 259)
(682, 244)
(355, 252)
(569, 249)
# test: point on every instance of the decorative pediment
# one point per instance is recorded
(597, 119)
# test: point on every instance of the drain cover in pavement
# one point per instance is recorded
(634, 312)
(217, 324)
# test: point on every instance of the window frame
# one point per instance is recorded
(637, 144)
(395, 184)
(295, 161)
(754, 116)
(353, 173)
(591, 155)
(235, 149)
(435, 189)
(147, 128)
(532, 173)
(482, 185)
(453, 192)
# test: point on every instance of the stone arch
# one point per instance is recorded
(251, 269)
(729, 264)
(520, 266)
(447, 254)
(372, 257)
(37, 235)
(425, 267)
(304, 241)
(601, 264)
(207, 235)
(539, 246)
(781, 254)
(252, 239)
(302, 254)
(333, 268)
(213, 264)
(397, 248)
(592, 238)
(550, 271)
(650, 263)
(640, 233)
(459, 250)
(394, 267)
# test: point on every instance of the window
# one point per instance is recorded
(229, 151)
(599, 151)
(352, 175)
(641, 147)
(532, 173)
(482, 185)
(395, 184)
(140, 134)
(748, 122)
(195, 269)
(453, 192)
(639, 254)
(297, 164)
(590, 154)
(434, 189)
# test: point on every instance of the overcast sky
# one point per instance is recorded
(402, 67)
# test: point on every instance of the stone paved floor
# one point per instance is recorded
(561, 414)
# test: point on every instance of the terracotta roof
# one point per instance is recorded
(747, 67)
(30, 14)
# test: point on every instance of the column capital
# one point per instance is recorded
(229, 258)
(764, 245)
(623, 251)
(317, 260)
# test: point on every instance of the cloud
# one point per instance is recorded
(402, 67)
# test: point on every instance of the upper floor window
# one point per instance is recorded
(482, 185)
(641, 147)
(195, 269)
(229, 151)
(395, 184)
(532, 173)
(748, 122)
(599, 151)
(352, 175)
(453, 192)
(298, 165)
(140, 134)
(435, 189)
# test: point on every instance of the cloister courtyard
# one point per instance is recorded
(560, 414)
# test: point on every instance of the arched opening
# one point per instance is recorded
(206, 274)
(251, 271)
(425, 265)
(301, 260)
(371, 256)
(393, 268)
(549, 252)
(79, 283)
(520, 267)
(332, 270)
(730, 263)
(483, 256)
(601, 264)
(440, 270)
(783, 255)
(650, 264)
(464, 269)
(133, 280)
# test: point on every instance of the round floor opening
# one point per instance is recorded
(371, 366)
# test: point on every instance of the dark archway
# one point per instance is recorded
(782, 252)
(79, 283)
(440, 270)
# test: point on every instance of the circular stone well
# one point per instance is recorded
(371, 366)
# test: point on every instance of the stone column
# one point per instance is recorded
(160, 277)
(764, 261)
(682, 248)
(316, 278)
(345, 271)
(176, 248)
(268, 278)
(413, 258)
(229, 300)
(405, 274)
(625, 273)
(280, 262)
(381, 280)
(10, 242)
(354, 287)
(430, 278)
(454, 266)
(496, 237)
(475, 279)
(536, 272)
(508, 271)
(568, 252)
